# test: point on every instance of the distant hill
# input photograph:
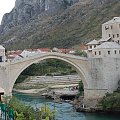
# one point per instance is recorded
(55, 23)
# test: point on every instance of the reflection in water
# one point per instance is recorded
(65, 111)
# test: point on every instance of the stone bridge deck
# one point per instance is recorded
(47, 54)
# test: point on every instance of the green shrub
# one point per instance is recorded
(111, 101)
(80, 53)
(23, 112)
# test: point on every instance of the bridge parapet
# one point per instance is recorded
(48, 54)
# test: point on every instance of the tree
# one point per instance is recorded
(80, 53)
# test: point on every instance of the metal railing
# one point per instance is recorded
(6, 113)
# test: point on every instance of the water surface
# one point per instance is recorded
(65, 111)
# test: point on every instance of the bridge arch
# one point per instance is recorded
(26, 64)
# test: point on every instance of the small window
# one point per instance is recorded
(0, 58)
(119, 51)
(118, 41)
(109, 35)
(95, 53)
(117, 35)
(106, 27)
(111, 27)
(108, 52)
(99, 52)
(115, 52)
(113, 36)
(90, 47)
(94, 46)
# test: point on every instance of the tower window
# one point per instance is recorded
(108, 52)
(117, 35)
(109, 35)
(99, 52)
(0, 58)
(113, 36)
(115, 52)
(95, 53)
(94, 46)
(90, 47)
(111, 27)
(106, 27)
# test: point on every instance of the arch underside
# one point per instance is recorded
(79, 70)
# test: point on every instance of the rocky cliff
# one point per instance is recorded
(60, 23)
(27, 10)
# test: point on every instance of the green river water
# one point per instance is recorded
(65, 111)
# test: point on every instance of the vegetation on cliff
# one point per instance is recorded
(111, 101)
(79, 23)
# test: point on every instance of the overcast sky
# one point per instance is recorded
(5, 7)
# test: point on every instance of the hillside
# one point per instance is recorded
(71, 25)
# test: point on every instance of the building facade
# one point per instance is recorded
(112, 29)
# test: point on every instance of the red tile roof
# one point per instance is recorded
(63, 50)
(44, 49)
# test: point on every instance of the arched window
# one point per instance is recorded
(115, 52)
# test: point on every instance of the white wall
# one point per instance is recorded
(114, 31)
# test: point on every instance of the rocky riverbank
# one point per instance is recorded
(108, 104)
(61, 86)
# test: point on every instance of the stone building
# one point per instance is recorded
(107, 49)
(104, 55)
(112, 29)
(108, 45)
(92, 44)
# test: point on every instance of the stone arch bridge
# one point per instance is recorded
(97, 75)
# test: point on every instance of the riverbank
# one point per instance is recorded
(97, 110)
(66, 85)
(110, 103)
